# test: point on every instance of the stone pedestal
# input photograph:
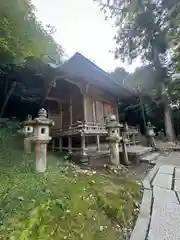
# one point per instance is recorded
(114, 152)
(41, 153)
(114, 139)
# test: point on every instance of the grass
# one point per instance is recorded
(64, 203)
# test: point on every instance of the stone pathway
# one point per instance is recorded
(159, 216)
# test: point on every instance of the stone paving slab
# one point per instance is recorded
(172, 158)
(165, 195)
(146, 184)
(146, 204)
(149, 157)
(152, 173)
(177, 185)
(163, 180)
(178, 196)
(177, 173)
(166, 169)
(159, 216)
(165, 221)
(140, 229)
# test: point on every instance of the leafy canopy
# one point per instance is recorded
(176, 44)
(22, 35)
(142, 28)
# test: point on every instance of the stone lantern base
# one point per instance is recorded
(41, 159)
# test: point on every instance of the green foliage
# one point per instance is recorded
(22, 35)
(175, 37)
(142, 27)
(119, 74)
(62, 203)
(142, 79)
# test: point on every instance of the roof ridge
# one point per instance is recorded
(104, 72)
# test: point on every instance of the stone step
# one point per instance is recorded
(137, 150)
(150, 157)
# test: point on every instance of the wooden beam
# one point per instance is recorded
(53, 99)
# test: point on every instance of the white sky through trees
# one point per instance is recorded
(80, 26)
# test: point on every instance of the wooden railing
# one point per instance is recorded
(90, 128)
(132, 135)
(87, 128)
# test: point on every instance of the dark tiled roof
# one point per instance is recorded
(81, 67)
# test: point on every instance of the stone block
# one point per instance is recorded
(145, 207)
(165, 221)
(166, 169)
(146, 184)
(152, 173)
(177, 173)
(140, 229)
(166, 195)
(177, 185)
(163, 180)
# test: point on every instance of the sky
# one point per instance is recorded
(81, 27)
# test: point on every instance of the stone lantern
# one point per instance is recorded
(28, 132)
(150, 135)
(41, 137)
(114, 138)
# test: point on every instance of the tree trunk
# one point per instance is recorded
(143, 113)
(7, 98)
(167, 115)
(168, 122)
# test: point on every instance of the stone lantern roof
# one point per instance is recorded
(113, 123)
(41, 119)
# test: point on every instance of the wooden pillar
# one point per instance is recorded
(70, 144)
(60, 144)
(134, 139)
(94, 112)
(142, 109)
(49, 113)
(53, 145)
(117, 112)
(129, 139)
(84, 107)
(61, 117)
(83, 144)
(70, 111)
(98, 143)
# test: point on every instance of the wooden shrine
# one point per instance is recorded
(79, 103)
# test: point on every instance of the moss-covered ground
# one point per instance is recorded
(66, 202)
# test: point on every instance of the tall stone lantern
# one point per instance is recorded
(151, 135)
(41, 137)
(113, 127)
(28, 132)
